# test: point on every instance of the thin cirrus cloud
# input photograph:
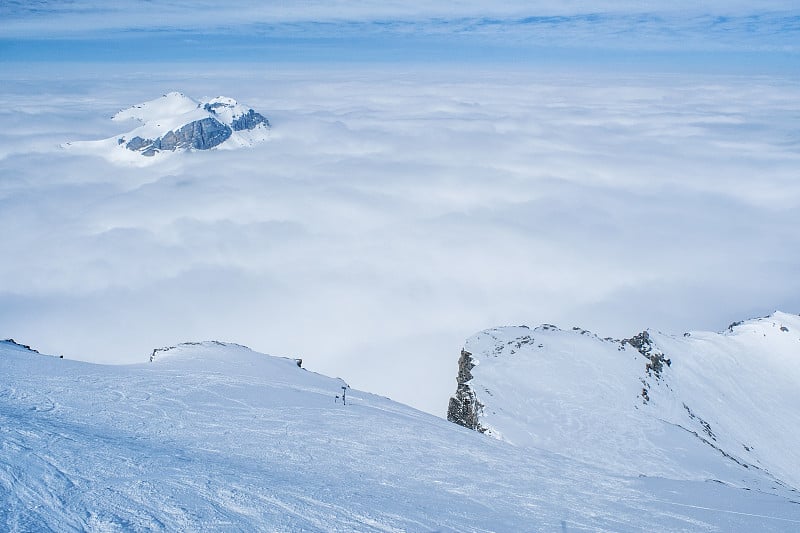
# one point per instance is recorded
(194, 12)
(373, 31)
(394, 212)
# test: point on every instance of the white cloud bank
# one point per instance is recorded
(393, 214)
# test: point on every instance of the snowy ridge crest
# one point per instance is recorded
(188, 345)
(14, 344)
(216, 353)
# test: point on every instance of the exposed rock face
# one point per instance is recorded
(248, 121)
(200, 135)
(464, 408)
(644, 345)
(137, 143)
(244, 121)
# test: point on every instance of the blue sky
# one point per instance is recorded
(690, 35)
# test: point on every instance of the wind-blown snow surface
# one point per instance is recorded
(213, 436)
(699, 406)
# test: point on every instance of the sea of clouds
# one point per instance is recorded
(395, 211)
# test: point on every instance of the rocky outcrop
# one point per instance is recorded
(248, 121)
(464, 408)
(19, 345)
(137, 144)
(644, 345)
(656, 360)
(245, 121)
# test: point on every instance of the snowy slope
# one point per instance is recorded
(175, 123)
(698, 406)
(212, 436)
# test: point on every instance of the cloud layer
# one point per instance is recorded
(392, 214)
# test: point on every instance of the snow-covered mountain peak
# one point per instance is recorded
(222, 101)
(202, 349)
(177, 123)
(172, 104)
(727, 401)
(224, 357)
(767, 325)
(226, 108)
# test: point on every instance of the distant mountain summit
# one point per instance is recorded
(176, 122)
